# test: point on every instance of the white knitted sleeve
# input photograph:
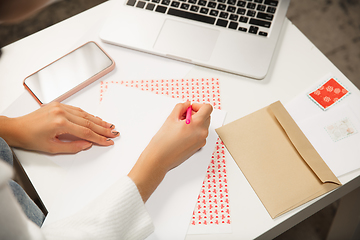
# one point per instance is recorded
(117, 214)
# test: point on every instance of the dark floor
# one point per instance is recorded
(332, 25)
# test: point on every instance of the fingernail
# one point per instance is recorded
(112, 126)
(115, 132)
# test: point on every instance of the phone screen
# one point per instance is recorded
(67, 72)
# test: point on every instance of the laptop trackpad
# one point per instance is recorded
(186, 40)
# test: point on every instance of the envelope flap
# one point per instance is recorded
(302, 144)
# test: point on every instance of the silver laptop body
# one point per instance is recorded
(181, 30)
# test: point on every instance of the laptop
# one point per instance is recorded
(236, 36)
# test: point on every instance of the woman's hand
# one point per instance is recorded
(41, 129)
(175, 142)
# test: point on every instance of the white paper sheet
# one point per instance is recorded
(341, 156)
(138, 115)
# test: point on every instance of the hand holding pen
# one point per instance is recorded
(183, 133)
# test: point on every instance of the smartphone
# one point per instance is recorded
(68, 74)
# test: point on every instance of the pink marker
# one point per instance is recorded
(188, 114)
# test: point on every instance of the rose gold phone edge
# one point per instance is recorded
(81, 85)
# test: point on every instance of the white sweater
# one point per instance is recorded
(118, 214)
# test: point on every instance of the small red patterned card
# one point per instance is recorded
(328, 94)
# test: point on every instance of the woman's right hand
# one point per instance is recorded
(175, 142)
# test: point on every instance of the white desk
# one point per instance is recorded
(297, 65)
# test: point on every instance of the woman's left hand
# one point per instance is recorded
(41, 129)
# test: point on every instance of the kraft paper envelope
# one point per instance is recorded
(276, 158)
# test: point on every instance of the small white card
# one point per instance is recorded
(334, 135)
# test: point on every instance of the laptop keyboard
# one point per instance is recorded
(252, 16)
